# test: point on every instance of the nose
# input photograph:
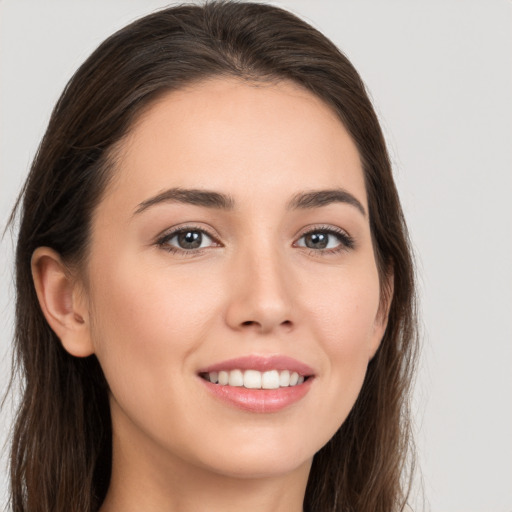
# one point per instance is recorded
(260, 298)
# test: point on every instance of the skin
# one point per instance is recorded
(154, 318)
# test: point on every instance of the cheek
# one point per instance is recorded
(344, 312)
(145, 323)
(147, 326)
(344, 320)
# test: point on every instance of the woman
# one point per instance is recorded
(215, 291)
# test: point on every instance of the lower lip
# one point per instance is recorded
(259, 400)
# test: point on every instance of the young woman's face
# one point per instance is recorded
(233, 244)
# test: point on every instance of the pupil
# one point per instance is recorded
(190, 239)
(317, 240)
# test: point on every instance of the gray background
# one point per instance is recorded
(440, 74)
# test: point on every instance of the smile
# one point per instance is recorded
(258, 384)
(254, 379)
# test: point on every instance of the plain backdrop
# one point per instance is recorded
(440, 75)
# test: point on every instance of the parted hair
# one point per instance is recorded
(61, 451)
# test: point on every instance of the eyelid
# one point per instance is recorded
(163, 239)
(346, 240)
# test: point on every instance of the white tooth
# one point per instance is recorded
(301, 379)
(270, 380)
(284, 378)
(214, 377)
(223, 378)
(294, 378)
(236, 378)
(252, 379)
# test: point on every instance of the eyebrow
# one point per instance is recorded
(197, 197)
(217, 200)
(318, 198)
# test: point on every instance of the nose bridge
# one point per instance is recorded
(261, 296)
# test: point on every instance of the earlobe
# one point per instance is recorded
(62, 304)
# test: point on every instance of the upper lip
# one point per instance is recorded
(261, 363)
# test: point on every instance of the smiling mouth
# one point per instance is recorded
(254, 379)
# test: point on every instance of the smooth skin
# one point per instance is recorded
(155, 310)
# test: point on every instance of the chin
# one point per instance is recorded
(261, 467)
(261, 458)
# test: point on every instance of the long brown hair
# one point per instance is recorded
(61, 447)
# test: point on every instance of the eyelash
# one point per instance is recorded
(163, 241)
(346, 242)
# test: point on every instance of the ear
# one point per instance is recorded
(62, 301)
(381, 319)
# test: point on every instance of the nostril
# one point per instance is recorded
(248, 323)
(264, 326)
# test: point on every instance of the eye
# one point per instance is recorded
(186, 239)
(330, 240)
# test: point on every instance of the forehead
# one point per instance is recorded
(234, 136)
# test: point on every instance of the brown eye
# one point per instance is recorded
(316, 240)
(187, 240)
(328, 240)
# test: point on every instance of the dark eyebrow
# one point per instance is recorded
(196, 197)
(318, 198)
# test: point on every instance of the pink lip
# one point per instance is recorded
(260, 400)
(262, 364)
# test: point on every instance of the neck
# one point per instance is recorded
(226, 495)
(143, 478)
